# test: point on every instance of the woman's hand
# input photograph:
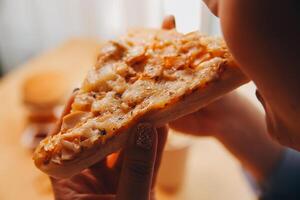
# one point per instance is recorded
(263, 37)
(240, 127)
(130, 176)
(230, 114)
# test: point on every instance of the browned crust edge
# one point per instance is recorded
(229, 79)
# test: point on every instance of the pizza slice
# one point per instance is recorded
(153, 76)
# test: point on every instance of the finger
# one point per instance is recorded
(109, 171)
(162, 135)
(94, 197)
(138, 166)
(68, 105)
(187, 124)
(83, 183)
(104, 175)
(99, 168)
(212, 5)
(169, 22)
(194, 124)
(66, 111)
(115, 171)
(119, 162)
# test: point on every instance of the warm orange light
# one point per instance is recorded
(111, 159)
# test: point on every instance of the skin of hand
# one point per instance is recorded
(130, 175)
(263, 37)
(240, 127)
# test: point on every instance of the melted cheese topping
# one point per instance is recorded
(143, 71)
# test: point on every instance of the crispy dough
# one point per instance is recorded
(151, 76)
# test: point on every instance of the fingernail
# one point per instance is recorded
(169, 22)
(144, 136)
(75, 90)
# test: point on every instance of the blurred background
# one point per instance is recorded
(49, 45)
(31, 26)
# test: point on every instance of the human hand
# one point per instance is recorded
(131, 176)
(263, 37)
(240, 127)
(231, 114)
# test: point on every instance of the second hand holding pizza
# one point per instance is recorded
(240, 127)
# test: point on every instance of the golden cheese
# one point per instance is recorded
(143, 71)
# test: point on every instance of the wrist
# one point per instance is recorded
(252, 146)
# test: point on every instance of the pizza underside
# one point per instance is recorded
(147, 75)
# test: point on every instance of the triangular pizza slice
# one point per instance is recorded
(148, 75)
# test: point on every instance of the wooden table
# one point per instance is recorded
(212, 173)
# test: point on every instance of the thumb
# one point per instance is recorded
(138, 164)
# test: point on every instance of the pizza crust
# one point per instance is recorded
(114, 105)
